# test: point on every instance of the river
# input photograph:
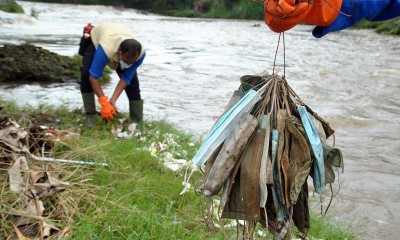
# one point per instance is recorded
(350, 78)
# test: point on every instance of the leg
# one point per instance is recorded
(87, 60)
(135, 101)
(86, 88)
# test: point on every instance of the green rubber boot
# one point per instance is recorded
(136, 112)
(89, 105)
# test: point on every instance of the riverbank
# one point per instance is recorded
(137, 196)
(27, 63)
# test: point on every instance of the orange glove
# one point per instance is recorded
(107, 111)
(282, 15)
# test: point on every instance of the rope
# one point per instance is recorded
(332, 196)
(276, 53)
(284, 56)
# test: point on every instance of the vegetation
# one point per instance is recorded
(234, 9)
(136, 196)
(243, 9)
(391, 26)
(11, 7)
(36, 64)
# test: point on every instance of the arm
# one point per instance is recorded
(128, 74)
(100, 61)
(96, 86)
(352, 11)
(117, 92)
(123, 83)
(328, 16)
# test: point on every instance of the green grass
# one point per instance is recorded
(239, 10)
(12, 7)
(391, 26)
(135, 197)
(328, 228)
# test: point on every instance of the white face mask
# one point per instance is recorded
(123, 64)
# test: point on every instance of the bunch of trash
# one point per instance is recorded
(260, 152)
(31, 198)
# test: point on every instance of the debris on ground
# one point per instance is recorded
(30, 197)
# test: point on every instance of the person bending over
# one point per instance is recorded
(114, 45)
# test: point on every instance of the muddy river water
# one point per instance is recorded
(350, 78)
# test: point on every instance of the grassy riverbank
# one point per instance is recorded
(136, 196)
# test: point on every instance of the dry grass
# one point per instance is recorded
(62, 207)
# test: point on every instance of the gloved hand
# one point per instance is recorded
(87, 29)
(107, 110)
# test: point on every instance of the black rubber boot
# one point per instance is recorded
(136, 112)
(90, 108)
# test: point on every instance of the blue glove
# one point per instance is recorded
(353, 11)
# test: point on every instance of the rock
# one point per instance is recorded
(28, 63)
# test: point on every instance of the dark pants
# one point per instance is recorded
(87, 49)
